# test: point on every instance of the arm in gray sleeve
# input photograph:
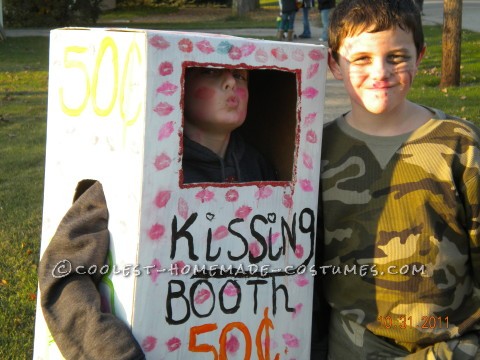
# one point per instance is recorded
(71, 304)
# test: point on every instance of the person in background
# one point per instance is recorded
(325, 7)
(288, 10)
(215, 106)
(400, 188)
(307, 5)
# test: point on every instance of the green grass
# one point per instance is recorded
(461, 101)
(23, 97)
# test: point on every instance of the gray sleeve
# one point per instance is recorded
(71, 304)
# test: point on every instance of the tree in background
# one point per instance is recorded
(451, 43)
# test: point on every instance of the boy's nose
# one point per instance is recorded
(381, 69)
(229, 80)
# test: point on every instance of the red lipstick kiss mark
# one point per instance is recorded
(173, 344)
(298, 310)
(243, 211)
(153, 272)
(254, 249)
(165, 68)
(167, 89)
(156, 231)
(205, 47)
(310, 92)
(298, 55)
(232, 345)
(162, 161)
(235, 53)
(165, 131)
(185, 45)
(301, 280)
(287, 201)
(230, 290)
(159, 42)
(275, 237)
(310, 118)
(263, 193)
(247, 49)
(311, 136)
(312, 70)
(307, 161)
(299, 251)
(261, 56)
(231, 195)
(220, 233)
(316, 55)
(162, 198)
(163, 109)
(291, 340)
(183, 208)
(279, 54)
(149, 343)
(205, 195)
(202, 296)
(306, 185)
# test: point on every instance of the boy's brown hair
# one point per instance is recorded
(352, 17)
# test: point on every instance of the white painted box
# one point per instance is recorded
(115, 114)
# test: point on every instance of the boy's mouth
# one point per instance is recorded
(381, 85)
(232, 101)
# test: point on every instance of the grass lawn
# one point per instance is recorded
(23, 99)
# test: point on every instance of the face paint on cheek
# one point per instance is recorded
(204, 93)
(242, 93)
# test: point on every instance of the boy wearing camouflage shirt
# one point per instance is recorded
(400, 192)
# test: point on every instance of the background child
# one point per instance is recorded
(400, 192)
(215, 105)
(288, 9)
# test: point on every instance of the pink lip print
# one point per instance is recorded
(205, 195)
(235, 53)
(306, 185)
(291, 340)
(183, 208)
(149, 343)
(287, 201)
(230, 290)
(310, 92)
(163, 109)
(205, 47)
(312, 70)
(311, 136)
(185, 45)
(299, 251)
(307, 161)
(243, 211)
(162, 161)
(279, 54)
(261, 56)
(162, 198)
(263, 192)
(298, 55)
(165, 68)
(301, 280)
(231, 195)
(202, 296)
(153, 272)
(298, 309)
(247, 49)
(220, 233)
(316, 55)
(156, 231)
(232, 344)
(165, 131)
(173, 344)
(159, 42)
(167, 89)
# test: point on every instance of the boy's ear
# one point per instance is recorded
(421, 54)
(334, 67)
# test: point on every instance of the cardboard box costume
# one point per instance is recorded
(205, 270)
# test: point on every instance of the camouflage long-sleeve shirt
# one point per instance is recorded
(401, 217)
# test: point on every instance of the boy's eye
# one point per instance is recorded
(398, 58)
(362, 60)
(240, 74)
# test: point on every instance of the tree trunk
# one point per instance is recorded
(241, 8)
(451, 43)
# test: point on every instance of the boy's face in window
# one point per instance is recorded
(216, 99)
(377, 68)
